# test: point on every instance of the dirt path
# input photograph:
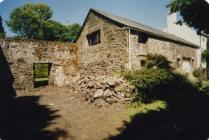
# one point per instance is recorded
(77, 119)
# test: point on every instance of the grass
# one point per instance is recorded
(205, 86)
(41, 71)
(41, 79)
(126, 115)
(142, 108)
(176, 118)
(41, 75)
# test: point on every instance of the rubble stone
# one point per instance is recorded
(98, 93)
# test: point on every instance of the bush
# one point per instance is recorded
(159, 61)
(200, 72)
(205, 54)
(149, 81)
(181, 84)
(158, 83)
(157, 80)
(200, 75)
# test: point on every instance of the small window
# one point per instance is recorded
(94, 38)
(192, 62)
(142, 38)
(143, 62)
(178, 62)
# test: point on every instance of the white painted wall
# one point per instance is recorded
(188, 34)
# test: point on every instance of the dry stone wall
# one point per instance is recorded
(103, 90)
(22, 54)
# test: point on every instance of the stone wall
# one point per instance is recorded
(22, 54)
(107, 57)
(70, 62)
(171, 50)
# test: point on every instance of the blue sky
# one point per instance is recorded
(149, 12)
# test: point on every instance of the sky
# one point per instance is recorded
(149, 12)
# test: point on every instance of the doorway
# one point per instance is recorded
(41, 74)
(186, 65)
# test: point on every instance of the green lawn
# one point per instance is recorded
(41, 79)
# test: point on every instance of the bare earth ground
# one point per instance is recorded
(57, 114)
(77, 119)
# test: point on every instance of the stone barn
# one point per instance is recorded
(108, 43)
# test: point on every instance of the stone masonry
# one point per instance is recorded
(22, 54)
(110, 55)
(172, 51)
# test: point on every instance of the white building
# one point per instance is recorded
(188, 34)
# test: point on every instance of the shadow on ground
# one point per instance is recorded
(186, 118)
(23, 118)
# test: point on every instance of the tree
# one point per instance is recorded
(193, 12)
(56, 31)
(74, 30)
(33, 21)
(2, 32)
(53, 30)
(27, 21)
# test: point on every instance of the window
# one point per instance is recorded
(142, 38)
(178, 62)
(192, 62)
(143, 62)
(94, 38)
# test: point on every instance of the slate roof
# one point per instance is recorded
(141, 27)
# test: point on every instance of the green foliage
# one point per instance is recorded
(74, 30)
(193, 13)
(205, 54)
(56, 31)
(156, 60)
(200, 75)
(181, 84)
(53, 30)
(27, 21)
(33, 21)
(147, 80)
(41, 71)
(2, 32)
(200, 72)
(157, 83)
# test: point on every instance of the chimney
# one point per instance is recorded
(171, 21)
